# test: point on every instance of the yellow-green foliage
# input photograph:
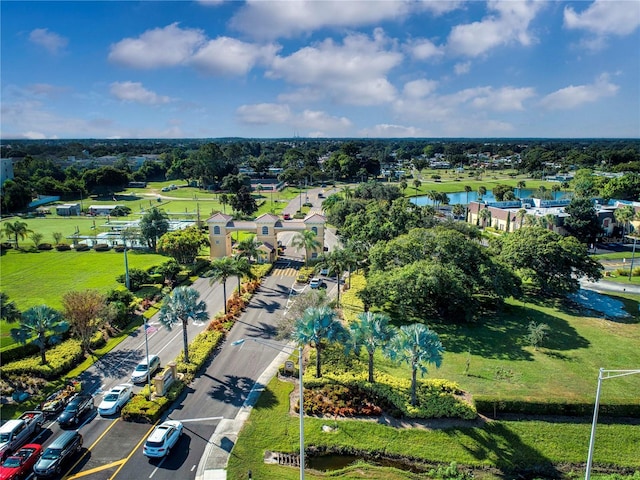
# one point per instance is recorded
(304, 274)
(60, 359)
(350, 303)
(139, 409)
(261, 270)
(436, 398)
(199, 351)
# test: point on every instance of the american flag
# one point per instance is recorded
(149, 328)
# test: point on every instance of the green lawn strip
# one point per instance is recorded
(31, 279)
(505, 445)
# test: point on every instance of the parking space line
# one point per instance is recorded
(96, 469)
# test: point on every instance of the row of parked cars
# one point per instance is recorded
(20, 458)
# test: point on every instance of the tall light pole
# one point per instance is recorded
(281, 347)
(633, 254)
(602, 375)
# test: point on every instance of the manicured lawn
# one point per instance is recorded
(499, 445)
(43, 277)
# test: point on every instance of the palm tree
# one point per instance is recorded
(520, 215)
(403, 186)
(467, 190)
(370, 331)
(224, 200)
(306, 240)
(521, 184)
(418, 346)
(248, 248)
(57, 237)
(15, 230)
(458, 210)
(36, 238)
(347, 192)
(555, 188)
(624, 215)
(242, 269)
(336, 261)
(38, 321)
(317, 327)
(8, 309)
(482, 191)
(178, 307)
(485, 215)
(417, 183)
(221, 270)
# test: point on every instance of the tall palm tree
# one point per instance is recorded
(403, 186)
(555, 188)
(337, 262)
(221, 270)
(371, 330)
(178, 307)
(347, 192)
(38, 322)
(418, 346)
(306, 240)
(242, 269)
(317, 327)
(482, 191)
(8, 309)
(224, 200)
(417, 183)
(458, 210)
(624, 215)
(16, 229)
(248, 248)
(485, 215)
(520, 215)
(521, 184)
(467, 190)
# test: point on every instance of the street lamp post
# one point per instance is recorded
(146, 345)
(281, 347)
(602, 375)
(633, 254)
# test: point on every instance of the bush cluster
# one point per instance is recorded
(60, 359)
(492, 407)
(63, 247)
(435, 398)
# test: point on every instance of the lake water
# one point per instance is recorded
(461, 197)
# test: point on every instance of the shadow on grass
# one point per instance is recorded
(502, 336)
(503, 448)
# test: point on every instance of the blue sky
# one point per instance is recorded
(208, 69)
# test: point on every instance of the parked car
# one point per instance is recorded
(324, 272)
(115, 399)
(15, 433)
(317, 283)
(20, 464)
(162, 439)
(146, 366)
(286, 216)
(57, 454)
(77, 407)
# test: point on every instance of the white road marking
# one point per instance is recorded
(201, 419)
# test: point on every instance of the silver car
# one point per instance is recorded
(163, 438)
(146, 367)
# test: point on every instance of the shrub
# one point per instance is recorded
(81, 247)
(63, 247)
(45, 246)
(60, 358)
(137, 277)
(119, 248)
(102, 247)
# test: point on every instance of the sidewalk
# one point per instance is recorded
(214, 460)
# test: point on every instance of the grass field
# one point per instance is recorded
(42, 278)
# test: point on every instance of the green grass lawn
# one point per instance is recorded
(42, 278)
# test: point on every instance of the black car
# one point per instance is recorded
(58, 454)
(77, 407)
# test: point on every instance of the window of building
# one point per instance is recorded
(216, 230)
(314, 230)
(265, 230)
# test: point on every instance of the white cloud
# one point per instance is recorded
(322, 120)
(51, 41)
(605, 17)
(351, 73)
(288, 19)
(501, 99)
(160, 47)
(574, 96)
(419, 88)
(135, 92)
(423, 49)
(509, 23)
(462, 68)
(385, 130)
(263, 113)
(229, 56)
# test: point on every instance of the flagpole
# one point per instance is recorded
(146, 344)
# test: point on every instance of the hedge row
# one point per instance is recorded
(60, 359)
(492, 407)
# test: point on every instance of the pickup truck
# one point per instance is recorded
(15, 433)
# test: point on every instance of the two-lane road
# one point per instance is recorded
(217, 393)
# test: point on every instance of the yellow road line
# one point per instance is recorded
(97, 469)
(91, 447)
(134, 450)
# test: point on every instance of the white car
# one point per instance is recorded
(141, 372)
(162, 439)
(115, 399)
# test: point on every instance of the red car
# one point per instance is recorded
(20, 464)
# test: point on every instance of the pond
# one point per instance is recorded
(461, 197)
